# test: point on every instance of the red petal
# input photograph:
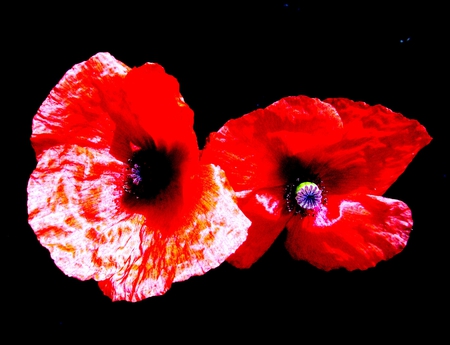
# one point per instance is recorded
(376, 148)
(154, 97)
(250, 148)
(265, 210)
(212, 228)
(359, 233)
(73, 208)
(78, 109)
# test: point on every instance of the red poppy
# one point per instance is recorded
(119, 194)
(319, 169)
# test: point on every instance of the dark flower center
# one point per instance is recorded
(304, 190)
(150, 172)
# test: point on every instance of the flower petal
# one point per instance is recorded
(376, 148)
(154, 97)
(251, 148)
(212, 229)
(268, 217)
(78, 109)
(359, 233)
(73, 208)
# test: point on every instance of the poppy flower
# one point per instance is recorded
(119, 194)
(319, 169)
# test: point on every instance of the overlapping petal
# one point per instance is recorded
(154, 98)
(357, 233)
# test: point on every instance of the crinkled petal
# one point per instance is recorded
(266, 210)
(74, 209)
(251, 147)
(213, 228)
(358, 233)
(376, 148)
(80, 108)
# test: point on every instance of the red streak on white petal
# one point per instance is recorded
(212, 232)
(223, 227)
(73, 209)
(75, 111)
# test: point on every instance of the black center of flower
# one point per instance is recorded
(304, 189)
(150, 172)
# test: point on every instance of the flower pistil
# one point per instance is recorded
(308, 195)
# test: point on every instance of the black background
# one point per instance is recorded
(229, 60)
